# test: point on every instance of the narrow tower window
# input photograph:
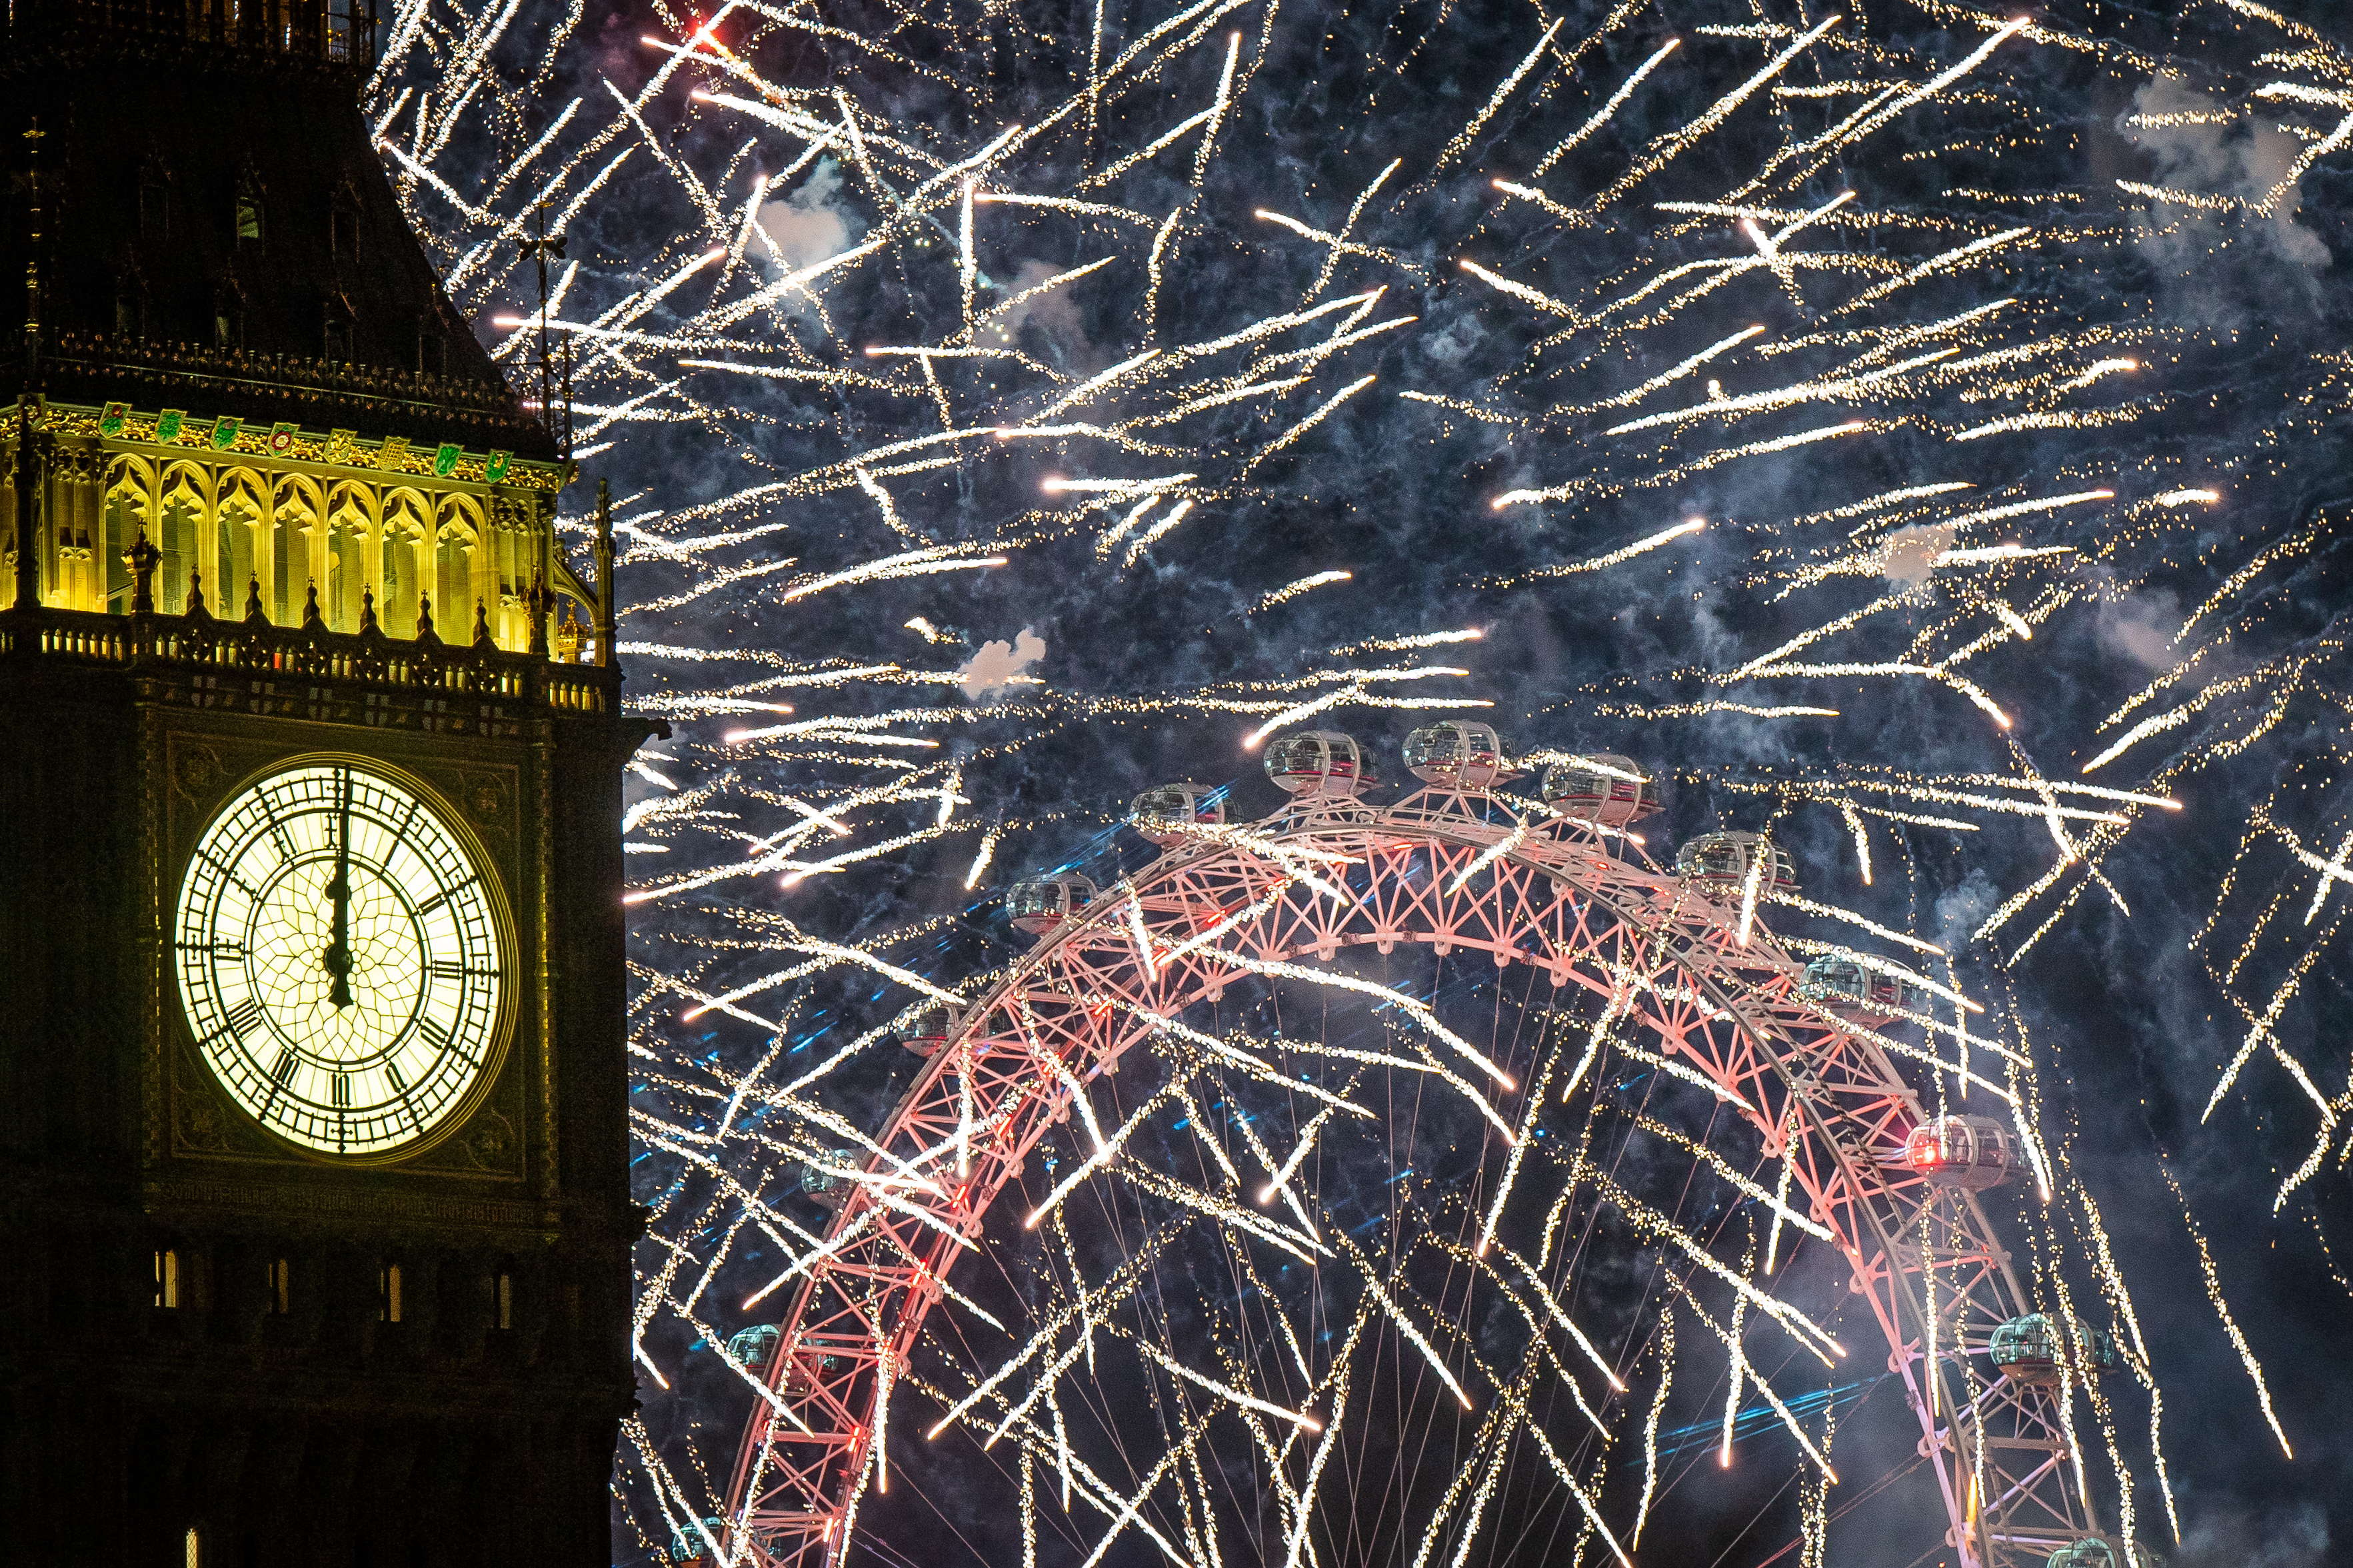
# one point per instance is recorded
(193, 1549)
(388, 1284)
(281, 1287)
(506, 1300)
(248, 221)
(281, 545)
(338, 345)
(347, 25)
(167, 1281)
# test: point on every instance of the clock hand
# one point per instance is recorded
(337, 959)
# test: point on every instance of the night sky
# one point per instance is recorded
(734, 485)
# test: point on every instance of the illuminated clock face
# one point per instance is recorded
(341, 960)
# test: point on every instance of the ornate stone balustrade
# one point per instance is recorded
(425, 682)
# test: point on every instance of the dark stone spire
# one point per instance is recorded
(218, 230)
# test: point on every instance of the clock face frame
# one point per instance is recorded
(345, 963)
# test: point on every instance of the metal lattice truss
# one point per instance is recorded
(1454, 873)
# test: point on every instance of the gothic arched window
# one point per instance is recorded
(246, 218)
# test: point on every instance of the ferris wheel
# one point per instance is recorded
(1270, 982)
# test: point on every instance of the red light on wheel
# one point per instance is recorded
(1969, 1151)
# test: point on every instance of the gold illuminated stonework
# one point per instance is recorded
(243, 513)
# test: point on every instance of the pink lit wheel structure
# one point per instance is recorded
(1713, 991)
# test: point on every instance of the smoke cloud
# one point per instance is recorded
(999, 665)
(812, 224)
(2203, 145)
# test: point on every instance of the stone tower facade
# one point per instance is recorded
(314, 1211)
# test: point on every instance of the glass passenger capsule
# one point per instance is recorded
(688, 1543)
(1041, 905)
(1456, 755)
(1973, 1153)
(935, 1023)
(2026, 1349)
(2090, 1552)
(2094, 1552)
(2030, 1349)
(1840, 983)
(1164, 815)
(827, 1188)
(2097, 1349)
(753, 1348)
(1718, 863)
(1604, 787)
(1319, 763)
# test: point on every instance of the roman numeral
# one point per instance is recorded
(224, 868)
(392, 1071)
(450, 969)
(284, 1070)
(441, 1040)
(278, 831)
(232, 950)
(241, 1020)
(342, 1090)
(441, 898)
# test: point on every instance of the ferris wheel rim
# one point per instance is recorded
(1413, 821)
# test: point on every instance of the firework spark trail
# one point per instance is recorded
(1779, 1204)
(1469, 134)
(1416, 1010)
(1405, 1326)
(1343, 1364)
(945, 221)
(1609, 110)
(1561, 1472)
(2222, 1310)
(1235, 1395)
(1743, 1368)
(1816, 1339)
(1693, 1076)
(1780, 1201)
(1158, 532)
(1553, 1306)
(1651, 1426)
(1290, 591)
(1624, 553)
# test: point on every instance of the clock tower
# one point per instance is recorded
(314, 1211)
